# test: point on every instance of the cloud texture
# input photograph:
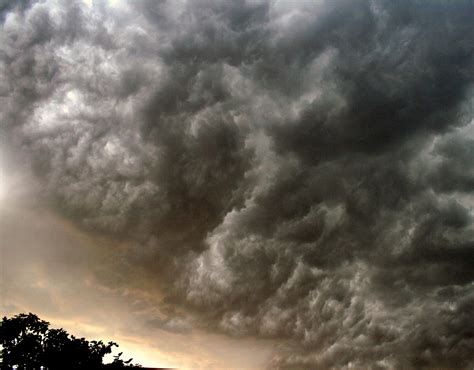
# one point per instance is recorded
(293, 170)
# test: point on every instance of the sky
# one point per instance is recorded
(242, 184)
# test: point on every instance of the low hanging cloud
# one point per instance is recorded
(298, 171)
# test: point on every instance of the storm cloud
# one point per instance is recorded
(300, 171)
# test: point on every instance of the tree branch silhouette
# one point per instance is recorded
(28, 342)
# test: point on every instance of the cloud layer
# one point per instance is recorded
(299, 171)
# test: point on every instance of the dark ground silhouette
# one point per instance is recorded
(28, 342)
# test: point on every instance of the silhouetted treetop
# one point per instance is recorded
(28, 342)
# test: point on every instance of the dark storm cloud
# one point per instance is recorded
(294, 171)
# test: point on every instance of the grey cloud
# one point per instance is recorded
(293, 171)
(174, 325)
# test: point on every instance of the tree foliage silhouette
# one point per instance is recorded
(28, 342)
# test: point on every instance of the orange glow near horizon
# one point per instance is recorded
(70, 296)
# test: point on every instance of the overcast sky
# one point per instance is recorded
(242, 184)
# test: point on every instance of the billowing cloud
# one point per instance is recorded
(296, 171)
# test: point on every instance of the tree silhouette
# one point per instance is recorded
(29, 343)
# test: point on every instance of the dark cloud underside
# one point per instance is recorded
(292, 170)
